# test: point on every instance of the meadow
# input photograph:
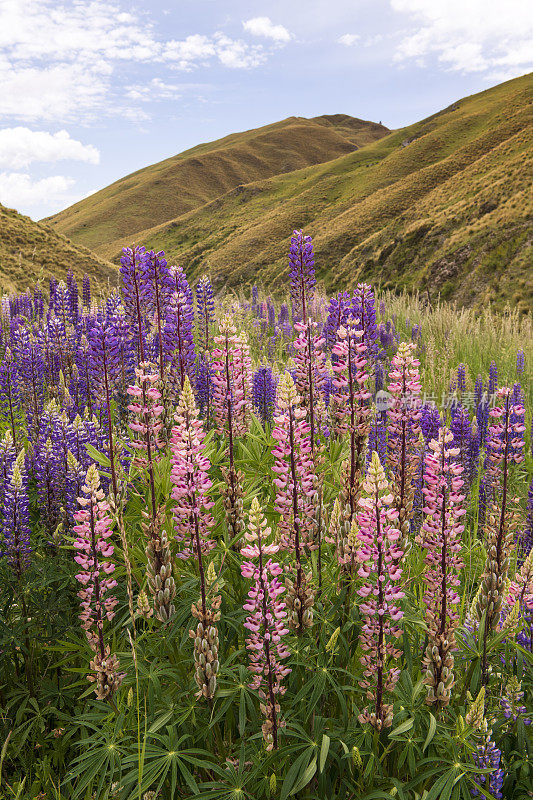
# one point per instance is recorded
(262, 549)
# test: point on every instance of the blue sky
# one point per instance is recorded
(92, 90)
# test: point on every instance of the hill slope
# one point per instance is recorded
(29, 250)
(443, 205)
(163, 191)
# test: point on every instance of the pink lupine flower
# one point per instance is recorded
(404, 432)
(440, 537)
(378, 555)
(266, 621)
(351, 410)
(231, 370)
(311, 371)
(295, 490)
(93, 531)
(190, 476)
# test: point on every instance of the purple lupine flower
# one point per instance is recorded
(73, 295)
(162, 286)
(386, 334)
(520, 362)
(430, 421)
(9, 394)
(205, 307)
(364, 310)
(8, 455)
(264, 393)
(283, 317)
(178, 334)
(16, 519)
(48, 477)
(487, 756)
(28, 354)
(462, 435)
(86, 292)
(255, 295)
(302, 274)
(478, 391)
(38, 303)
(104, 367)
(136, 292)
(511, 702)
(271, 311)
(204, 387)
(416, 333)
(337, 309)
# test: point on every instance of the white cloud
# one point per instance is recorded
(474, 36)
(197, 50)
(348, 39)
(20, 147)
(156, 89)
(67, 60)
(263, 26)
(18, 190)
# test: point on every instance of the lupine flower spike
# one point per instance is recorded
(93, 531)
(266, 621)
(295, 494)
(378, 555)
(440, 537)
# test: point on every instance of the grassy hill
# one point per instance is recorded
(164, 191)
(443, 205)
(30, 250)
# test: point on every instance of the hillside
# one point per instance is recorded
(164, 191)
(29, 251)
(443, 205)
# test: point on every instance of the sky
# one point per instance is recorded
(93, 90)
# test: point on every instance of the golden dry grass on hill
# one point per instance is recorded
(163, 191)
(30, 251)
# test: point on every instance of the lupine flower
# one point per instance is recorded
(520, 362)
(86, 292)
(8, 455)
(136, 292)
(93, 531)
(190, 476)
(462, 436)
(378, 555)
(488, 756)
(364, 311)
(302, 274)
(178, 336)
(205, 307)
(430, 421)
(337, 310)
(461, 377)
(103, 359)
(264, 393)
(9, 393)
(440, 537)
(511, 702)
(16, 519)
(232, 394)
(266, 622)
(162, 286)
(351, 411)
(404, 432)
(295, 493)
(310, 369)
(502, 518)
